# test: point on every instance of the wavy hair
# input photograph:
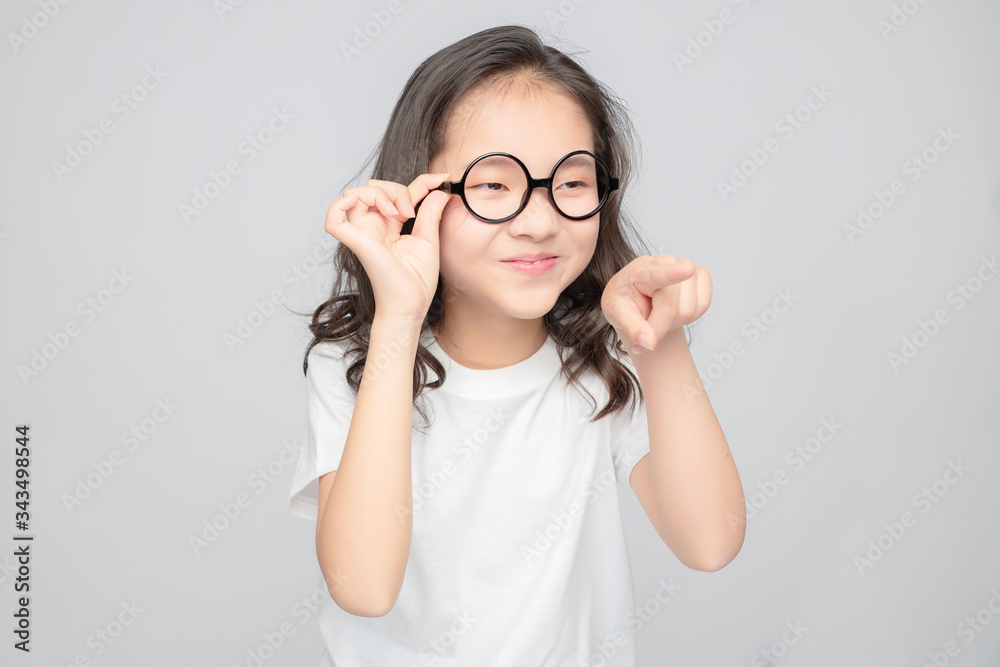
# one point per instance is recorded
(493, 59)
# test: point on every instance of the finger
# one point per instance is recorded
(704, 289)
(422, 185)
(336, 215)
(375, 197)
(687, 302)
(398, 194)
(428, 221)
(659, 272)
(678, 305)
(623, 313)
(662, 316)
(633, 328)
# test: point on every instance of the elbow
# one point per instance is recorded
(713, 560)
(369, 607)
(359, 603)
(710, 565)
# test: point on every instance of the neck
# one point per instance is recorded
(485, 343)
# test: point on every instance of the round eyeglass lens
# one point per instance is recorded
(496, 186)
(579, 185)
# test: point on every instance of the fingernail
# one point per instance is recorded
(392, 207)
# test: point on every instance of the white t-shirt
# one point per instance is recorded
(518, 555)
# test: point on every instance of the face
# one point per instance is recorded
(539, 128)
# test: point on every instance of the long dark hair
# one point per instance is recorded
(416, 132)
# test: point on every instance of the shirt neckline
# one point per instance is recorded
(525, 375)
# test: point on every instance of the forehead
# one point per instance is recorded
(538, 123)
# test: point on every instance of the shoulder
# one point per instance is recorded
(326, 373)
(327, 352)
(595, 384)
(613, 355)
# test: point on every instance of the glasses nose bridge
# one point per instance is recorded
(546, 185)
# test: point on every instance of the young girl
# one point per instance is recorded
(504, 314)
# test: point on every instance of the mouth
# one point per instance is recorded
(532, 267)
(527, 263)
(531, 259)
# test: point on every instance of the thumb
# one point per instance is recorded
(629, 323)
(428, 221)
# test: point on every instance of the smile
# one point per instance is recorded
(532, 268)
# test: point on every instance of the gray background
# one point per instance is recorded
(163, 337)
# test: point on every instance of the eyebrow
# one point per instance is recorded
(582, 160)
(494, 161)
(499, 160)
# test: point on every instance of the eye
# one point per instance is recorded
(488, 186)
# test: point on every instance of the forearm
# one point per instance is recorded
(698, 488)
(363, 539)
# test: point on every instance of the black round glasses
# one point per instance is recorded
(496, 187)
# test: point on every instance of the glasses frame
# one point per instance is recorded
(458, 187)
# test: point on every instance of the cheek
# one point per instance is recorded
(452, 228)
(585, 237)
(463, 240)
(454, 209)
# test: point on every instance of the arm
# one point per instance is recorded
(688, 483)
(364, 520)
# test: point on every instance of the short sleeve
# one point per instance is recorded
(629, 436)
(329, 408)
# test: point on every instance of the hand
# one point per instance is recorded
(652, 296)
(403, 269)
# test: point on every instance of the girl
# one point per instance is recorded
(491, 534)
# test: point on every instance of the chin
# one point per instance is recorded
(529, 308)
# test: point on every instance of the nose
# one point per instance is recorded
(539, 215)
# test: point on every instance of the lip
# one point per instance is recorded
(529, 258)
(546, 263)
